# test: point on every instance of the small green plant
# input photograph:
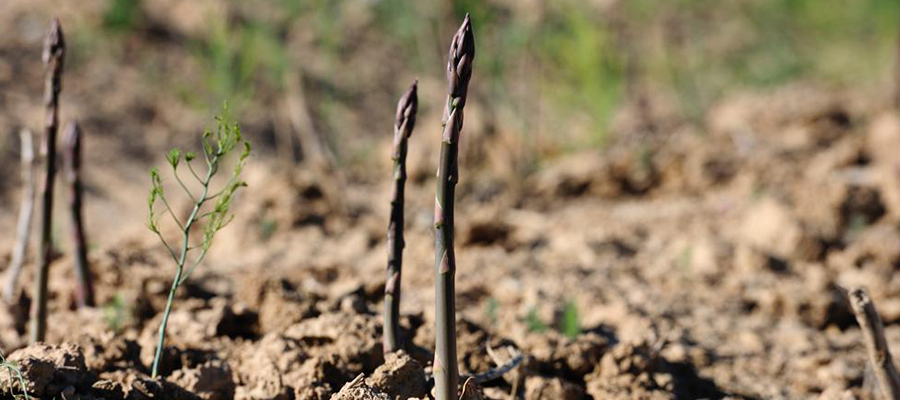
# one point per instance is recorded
(685, 258)
(115, 313)
(569, 323)
(216, 146)
(492, 306)
(267, 228)
(14, 377)
(121, 15)
(534, 322)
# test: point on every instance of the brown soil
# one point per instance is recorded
(701, 263)
(722, 278)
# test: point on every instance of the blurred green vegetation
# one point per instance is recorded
(237, 56)
(554, 72)
(121, 15)
(534, 323)
(492, 306)
(570, 322)
(116, 313)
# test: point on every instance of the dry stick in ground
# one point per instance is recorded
(459, 71)
(84, 293)
(516, 358)
(23, 229)
(403, 127)
(54, 52)
(314, 149)
(312, 144)
(879, 354)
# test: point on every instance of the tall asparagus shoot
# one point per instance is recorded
(54, 53)
(459, 71)
(84, 293)
(216, 146)
(403, 128)
(23, 228)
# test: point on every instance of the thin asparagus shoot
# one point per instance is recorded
(403, 128)
(84, 292)
(459, 72)
(879, 353)
(216, 146)
(23, 228)
(54, 54)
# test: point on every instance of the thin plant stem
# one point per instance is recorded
(23, 228)
(169, 248)
(184, 187)
(459, 72)
(193, 267)
(186, 230)
(85, 288)
(13, 369)
(54, 54)
(172, 213)
(196, 176)
(403, 127)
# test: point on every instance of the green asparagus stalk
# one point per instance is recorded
(459, 71)
(403, 128)
(54, 53)
(84, 292)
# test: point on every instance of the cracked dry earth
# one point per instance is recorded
(700, 264)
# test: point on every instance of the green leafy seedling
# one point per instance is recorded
(13, 377)
(570, 324)
(210, 209)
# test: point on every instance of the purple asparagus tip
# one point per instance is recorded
(406, 110)
(54, 43)
(459, 63)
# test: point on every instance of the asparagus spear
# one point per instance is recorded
(23, 229)
(403, 127)
(54, 53)
(459, 71)
(72, 150)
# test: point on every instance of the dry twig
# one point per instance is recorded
(879, 354)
